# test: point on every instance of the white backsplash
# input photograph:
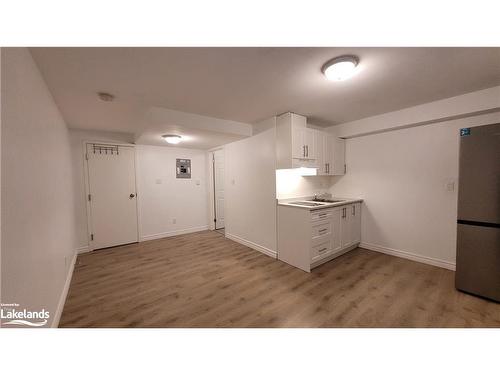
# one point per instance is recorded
(290, 184)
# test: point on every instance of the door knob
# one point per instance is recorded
(132, 195)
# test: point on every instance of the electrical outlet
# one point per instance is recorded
(450, 185)
(174, 221)
(158, 181)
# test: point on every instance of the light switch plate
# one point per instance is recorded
(450, 185)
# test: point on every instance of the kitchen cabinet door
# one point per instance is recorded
(355, 223)
(298, 146)
(309, 135)
(329, 147)
(336, 229)
(319, 148)
(338, 156)
(345, 226)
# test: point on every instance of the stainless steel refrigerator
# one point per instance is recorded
(478, 224)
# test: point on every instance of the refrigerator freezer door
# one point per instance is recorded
(478, 261)
(479, 176)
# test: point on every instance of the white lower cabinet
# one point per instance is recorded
(350, 225)
(307, 239)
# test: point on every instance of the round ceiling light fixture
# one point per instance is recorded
(172, 138)
(340, 68)
(105, 96)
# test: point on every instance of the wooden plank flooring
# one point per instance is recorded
(205, 280)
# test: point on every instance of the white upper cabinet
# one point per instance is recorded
(319, 145)
(338, 166)
(294, 142)
(300, 146)
(330, 154)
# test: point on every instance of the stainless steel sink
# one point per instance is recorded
(307, 203)
(328, 200)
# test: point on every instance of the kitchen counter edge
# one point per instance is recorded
(327, 205)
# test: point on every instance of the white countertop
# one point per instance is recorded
(291, 202)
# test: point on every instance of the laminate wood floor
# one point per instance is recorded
(205, 280)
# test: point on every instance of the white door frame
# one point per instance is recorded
(211, 187)
(87, 187)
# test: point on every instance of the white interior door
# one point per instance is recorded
(112, 195)
(219, 188)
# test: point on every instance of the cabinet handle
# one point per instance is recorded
(323, 230)
(353, 210)
(307, 150)
(326, 168)
(304, 151)
(344, 213)
(323, 249)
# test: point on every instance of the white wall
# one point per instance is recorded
(264, 125)
(403, 175)
(250, 191)
(77, 138)
(163, 197)
(38, 230)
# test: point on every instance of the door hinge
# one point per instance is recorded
(92, 236)
(215, 220)
(90, 197)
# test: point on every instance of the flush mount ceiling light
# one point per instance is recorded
(172, 138)
(340, 68)
(105, 96)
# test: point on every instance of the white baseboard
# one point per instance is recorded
(82, 249)
(410, 256)
(172, 233)
(64, 294)
(262, 249)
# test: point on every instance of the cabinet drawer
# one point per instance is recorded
(321, 228)
(321, 215)
(321, 249)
